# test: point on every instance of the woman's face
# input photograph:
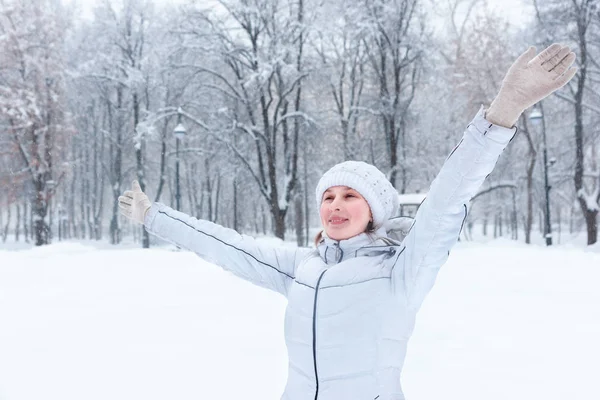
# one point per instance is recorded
(344, 212)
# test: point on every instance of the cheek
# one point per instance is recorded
(359, 211)
(323, 211)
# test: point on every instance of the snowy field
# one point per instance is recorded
(82, 321)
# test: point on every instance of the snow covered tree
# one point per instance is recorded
(256, 48)
(579, 21)
(32, 112)
(115, 70)
(342, 59)
(394, 45)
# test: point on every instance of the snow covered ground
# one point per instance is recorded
(82, 321)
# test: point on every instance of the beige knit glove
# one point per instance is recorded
(530, 79)
(134, 204)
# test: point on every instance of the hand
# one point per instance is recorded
(134, 203)
(530, 79)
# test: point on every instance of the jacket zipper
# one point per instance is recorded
(338, 250)
(314, 327)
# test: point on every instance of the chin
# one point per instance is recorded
(340, 235)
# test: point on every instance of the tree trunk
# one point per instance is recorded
(558, 223)
(116, 166)
(40, 209)
(485, 224)
(264, 220)
(529, 221)
(217, 196)
(26, 220)
(236, 226)
(513, 217)
(7, 226)
(500, 220)
(139, 159)
(591, 221)
(278, 217)
(589, 214)
(299, 220)
(18, 222)
(306, 200)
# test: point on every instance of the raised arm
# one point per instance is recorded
(440, 218)
(271, 267)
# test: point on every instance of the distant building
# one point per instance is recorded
(409, 203)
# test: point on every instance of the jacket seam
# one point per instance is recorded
(396, 262)
(303, 284)
(420, 263)
(227, 244)
(339, 286)
(463, 221)
(354, 283)
(314, 330)
(439, 216)
(455, 148)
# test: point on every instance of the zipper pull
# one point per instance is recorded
(338, 248)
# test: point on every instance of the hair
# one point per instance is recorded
(368, 229)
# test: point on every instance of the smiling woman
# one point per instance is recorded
(353, 300)
(344, 213)
(354, 197)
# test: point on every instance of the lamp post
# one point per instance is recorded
(537, 118)
(179, 133)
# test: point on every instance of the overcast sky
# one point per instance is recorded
(518, 11)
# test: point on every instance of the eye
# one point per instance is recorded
(350, 195)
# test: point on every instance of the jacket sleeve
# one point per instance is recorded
(266, 266)
(440, 217)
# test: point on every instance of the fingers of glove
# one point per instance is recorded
(564, 64)
(126, 211)
(564, 78)
(556, 59)
(547, 53)
(128, 193)
(125, 200)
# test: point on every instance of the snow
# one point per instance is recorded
(590, 200)
(282, 201)
(89, 321)
(411, 198)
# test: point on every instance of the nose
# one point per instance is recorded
(335, 204)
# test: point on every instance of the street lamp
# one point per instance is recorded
(537, 118)
(179, 133)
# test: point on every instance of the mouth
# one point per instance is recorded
(337, 221)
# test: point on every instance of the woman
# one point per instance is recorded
(352, 301)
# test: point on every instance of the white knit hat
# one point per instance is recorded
(367, 180)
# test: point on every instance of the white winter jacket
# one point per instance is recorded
(351, 303)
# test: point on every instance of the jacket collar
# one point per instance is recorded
(335, 251)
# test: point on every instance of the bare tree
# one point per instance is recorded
(579, 21)
(258, 66)
(394, 48)
(341, 47)
(32, 97)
